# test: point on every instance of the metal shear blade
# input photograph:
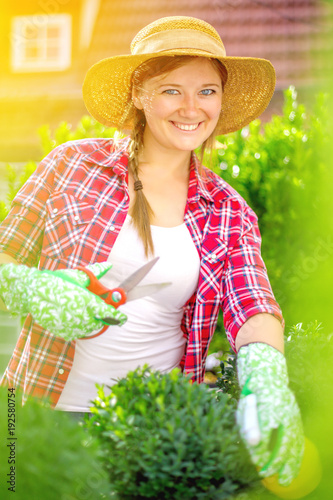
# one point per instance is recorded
(128, 289)
(137, 293)
(134, 279)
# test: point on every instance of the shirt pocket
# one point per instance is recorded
(66, 225)
(213, 259)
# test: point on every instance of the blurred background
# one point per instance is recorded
(47, 47)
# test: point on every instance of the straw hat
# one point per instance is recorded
(249, 88)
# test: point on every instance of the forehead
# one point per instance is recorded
(200, 70)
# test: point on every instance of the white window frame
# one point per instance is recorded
(19, 42)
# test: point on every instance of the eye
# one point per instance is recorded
(171, 92)
(208, 92)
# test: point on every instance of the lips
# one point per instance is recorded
(187, 127)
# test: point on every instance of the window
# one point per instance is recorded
(41, 43)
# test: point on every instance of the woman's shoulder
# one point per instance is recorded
(99, 151)
(91, 145)
(230, 208)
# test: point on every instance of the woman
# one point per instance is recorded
(98, 200)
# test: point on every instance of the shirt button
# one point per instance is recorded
(61, 371)
(76, 217)
(112, 228)
(55, 210)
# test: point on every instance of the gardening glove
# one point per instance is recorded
(57, 300)
(268, 415)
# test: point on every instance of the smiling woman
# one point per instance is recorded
(98, 200)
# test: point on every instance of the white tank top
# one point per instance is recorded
(152, 333)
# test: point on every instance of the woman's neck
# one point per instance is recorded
(164, 162)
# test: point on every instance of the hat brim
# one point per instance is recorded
(247, 93)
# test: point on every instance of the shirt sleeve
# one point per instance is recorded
(247, 290)
(21, 233)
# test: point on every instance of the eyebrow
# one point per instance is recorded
(177, 85)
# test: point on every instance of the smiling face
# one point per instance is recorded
(181, 107)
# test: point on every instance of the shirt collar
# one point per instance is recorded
(200, 184)
(116, 157)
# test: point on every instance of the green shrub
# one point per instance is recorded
(306, 348)
(87, 127)
(281, 169)
(162, 437)
(55, 459)
(227, 381)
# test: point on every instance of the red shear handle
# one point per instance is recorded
(88, 337)
(94, 286)
(114, 297)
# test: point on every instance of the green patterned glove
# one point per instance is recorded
(57, 300)
(268, 415)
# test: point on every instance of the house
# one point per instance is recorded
(48, 45)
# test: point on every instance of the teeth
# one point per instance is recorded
(186, 127)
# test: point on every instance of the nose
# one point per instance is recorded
(189, 106)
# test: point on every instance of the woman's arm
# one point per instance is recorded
(5, 259)
(263, 328)
(250, 311)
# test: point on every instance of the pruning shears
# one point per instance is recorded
(125, 292)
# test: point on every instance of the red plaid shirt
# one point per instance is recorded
(70, 212)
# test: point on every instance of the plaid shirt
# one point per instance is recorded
(70, 212)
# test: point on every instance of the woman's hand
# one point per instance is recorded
(268, 415)
(57, 300)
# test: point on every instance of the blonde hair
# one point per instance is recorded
(141, 211)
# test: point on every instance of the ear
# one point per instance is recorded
(136, 99)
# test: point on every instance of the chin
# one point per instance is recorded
(190, 147)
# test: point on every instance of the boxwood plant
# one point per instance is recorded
(162, 437)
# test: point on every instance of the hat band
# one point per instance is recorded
(179, 39)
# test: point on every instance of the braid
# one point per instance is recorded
(141, 211)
